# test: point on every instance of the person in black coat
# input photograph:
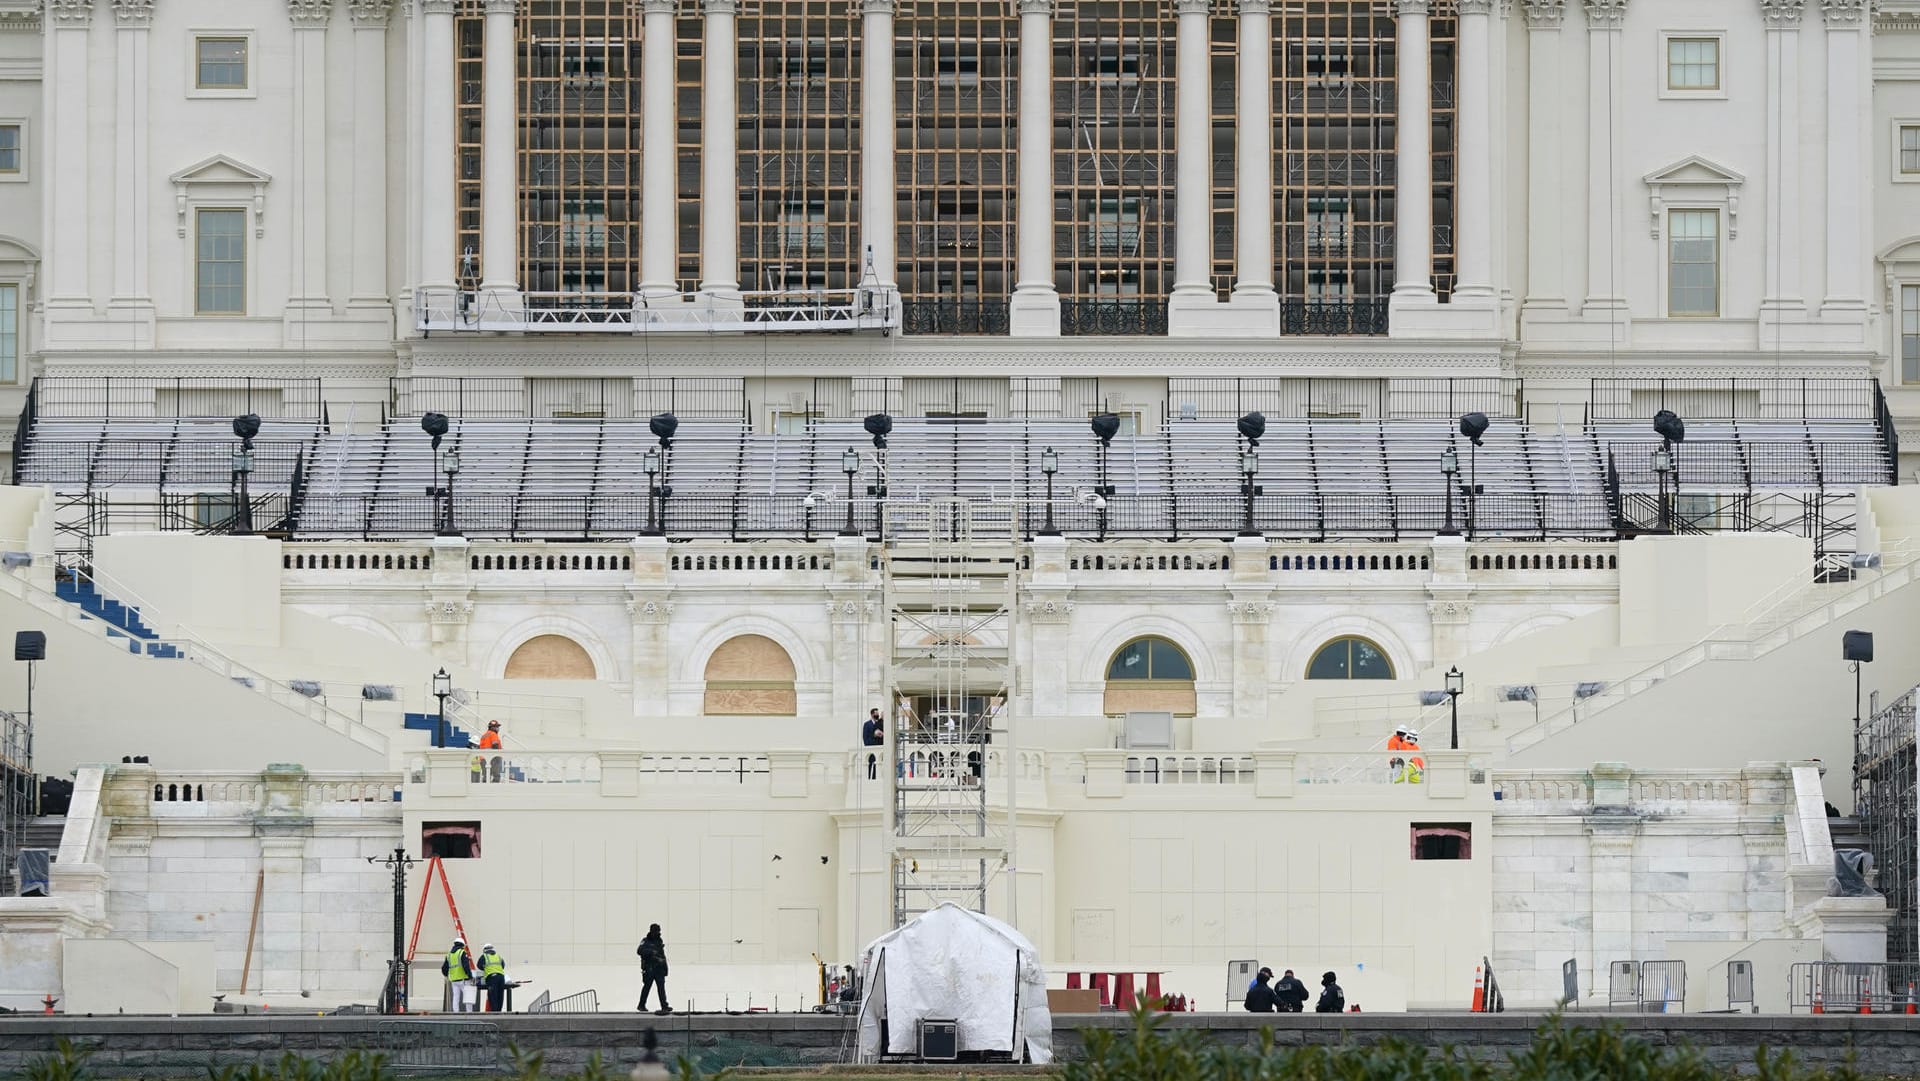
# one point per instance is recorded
(1332, 999)
(1260, 996)
(1290, 993)
(653, 969)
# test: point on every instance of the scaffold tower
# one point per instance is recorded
(950, 575)
(1884, 799)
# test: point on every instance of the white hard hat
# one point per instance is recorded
(1403, 730)
(488, 948)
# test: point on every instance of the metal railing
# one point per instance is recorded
(115, 396)
(1744, 465)
(1889, 432)
(924, 316)
(1137, 318)
(472, 1047)
(1852, 987)
(23, 429)
(1357, 516)
(1733, 398)
(449, 308)
(611, 397)
(1300, 397)
(1366, 316)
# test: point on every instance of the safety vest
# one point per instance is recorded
(457, 965)
(492, 964)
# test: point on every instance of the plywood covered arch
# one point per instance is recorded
(750, 675)
(550, 656)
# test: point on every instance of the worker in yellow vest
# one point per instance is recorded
(493, 977)
(1408, 768)
(458, 969)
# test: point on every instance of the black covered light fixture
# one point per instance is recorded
(1105, 426)
(1252, 426)
(1670, 427)
(447, 462)
(435, 425)
(1473, 426)
(246, 426)
(878, 425)
(663, 425)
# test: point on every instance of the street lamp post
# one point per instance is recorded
(1662, 466)
(442, 689)
(1455, 684)
(1449, 468)
(850, 465)
(1049, 465)
(449, 465)
(1249, 468)
(651, 462)
(395, 999)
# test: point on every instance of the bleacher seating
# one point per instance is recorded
(1353, 478)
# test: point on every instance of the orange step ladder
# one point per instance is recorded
(434, 867)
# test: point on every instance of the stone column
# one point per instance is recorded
(1193, 153)
(650, 604)
(437, 166)
(1783, 300)
(1035, 307)
(283, 829)
(1606, 53)
(69, 288)
(1250, 606)
(1413, 154)
(449, 602)
(132, 302)
(877, 138)
(1049, 620)
(367, 282)
(1610, 836)
(659, 187)
(719, 156)
(1546, 295)
(1473, 175)
(1253, 176)
(499, 174)
(1847, 186)
(850, 620)
(307, 285)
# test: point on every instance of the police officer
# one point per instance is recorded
(493, 976)
(458, 969)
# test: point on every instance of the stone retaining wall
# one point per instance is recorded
(156, 1047)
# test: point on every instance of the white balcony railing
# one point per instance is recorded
(454, 309)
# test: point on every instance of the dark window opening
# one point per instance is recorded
(1442, 841)
(450, 840)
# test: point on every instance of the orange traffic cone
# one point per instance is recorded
(1479, 991)
(1817, 1008)
(1912, 1006)
(50, 1000)
(1866, 998)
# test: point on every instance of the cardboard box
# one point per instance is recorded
(1081, 1000)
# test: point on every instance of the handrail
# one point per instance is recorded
(1761, 618)
(23, 429)
(208, 657)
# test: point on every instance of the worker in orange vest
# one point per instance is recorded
(1408, 767)
(491, 742)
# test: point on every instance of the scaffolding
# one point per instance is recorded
(1884, 797)
(18, 801)
(949, 575)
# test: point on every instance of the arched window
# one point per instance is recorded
(1150, 674)
(550, 656)
(749, 676)
(1350, 658)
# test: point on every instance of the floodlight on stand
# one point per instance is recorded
(1252, 426)
(877, 426)
(663, 425)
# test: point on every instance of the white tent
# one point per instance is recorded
(954, 964)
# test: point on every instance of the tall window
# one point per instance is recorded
(1910, 334)
(9, 149)
(220, 262)
(1693, 262)
(1350, 658)
(221, 63)
(9, 333)
(1693, 64)
(1910, 149)
(1150, 674)
(586, 225)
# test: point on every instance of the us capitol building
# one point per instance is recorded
(1094, 387)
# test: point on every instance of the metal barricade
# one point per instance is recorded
(467, 1046)
(1663, 986)
(1740, 986)
(587, 1001)
(1623, 985)
(1852, 987)
(543, 1004)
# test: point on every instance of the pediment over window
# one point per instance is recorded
(1694, 181)
(220, 178)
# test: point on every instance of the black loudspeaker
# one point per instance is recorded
(1857, 646)
(29, 645)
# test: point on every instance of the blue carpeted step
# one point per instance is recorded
(429, 722)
